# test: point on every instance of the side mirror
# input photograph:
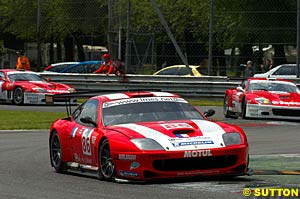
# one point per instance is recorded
(209, 112)
(48, 79)
(88, 120)
(240, 89)
(1, 79)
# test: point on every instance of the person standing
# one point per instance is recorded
(120, 70)
(249, 72)
(268, 66)
(107, 67)
(22, 61)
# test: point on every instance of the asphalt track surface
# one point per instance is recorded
(25, 170)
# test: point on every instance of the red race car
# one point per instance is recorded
(263, 98)
(27, 87)
(144, 136)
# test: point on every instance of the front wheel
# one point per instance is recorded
(244, 109)
(18, 96)
(56, 154)
(106, 164)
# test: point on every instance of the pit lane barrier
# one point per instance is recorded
(208, 87)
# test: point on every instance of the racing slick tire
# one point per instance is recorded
(56, 154)
(106, 170)
(18, 96)
(244, 109)
(226, 111)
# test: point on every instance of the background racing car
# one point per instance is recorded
(144, 136)
(27, 87)
(263, 98)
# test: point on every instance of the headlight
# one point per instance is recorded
(71, 90)
(41, 90)
(147, 144)
(263, 100)
(232, 138)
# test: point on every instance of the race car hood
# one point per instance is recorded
(177, 135)
(279, 98)
(50, 87)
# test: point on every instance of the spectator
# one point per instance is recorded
(22, 62)
(120, 70)
(249, 69)
(267, 67)
(107, 67)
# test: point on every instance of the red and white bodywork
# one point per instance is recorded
(151, 135)
(263, 98)
(27, 87)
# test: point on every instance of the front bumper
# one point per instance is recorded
(273, 112)
(189, 163)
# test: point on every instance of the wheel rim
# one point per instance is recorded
(107, 166)
(55, 151)
(18, 96)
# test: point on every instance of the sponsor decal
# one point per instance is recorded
(94, 139)
(286, 103)
(142, 100)
(169, 126)
(125, 157)
(129, 173)
(134, 165)
(182, 135)
(86, 142)
(73, 133)
(179, 144)
(197, 153)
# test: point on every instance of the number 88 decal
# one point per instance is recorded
(86, 141)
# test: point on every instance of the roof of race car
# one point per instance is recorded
(16, 71)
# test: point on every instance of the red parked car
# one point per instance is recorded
(27, 87)
(145, 136)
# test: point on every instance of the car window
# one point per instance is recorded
(88, 109)
(2, 75)
(90, 68)
(286, 70)
(203, 70)
(80, 68)
(184, 71)
(169, 71)
(24, 77)
(58, 68)
(146, 110)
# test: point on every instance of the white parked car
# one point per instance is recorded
(286, 71)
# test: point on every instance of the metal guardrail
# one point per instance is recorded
(212, 87)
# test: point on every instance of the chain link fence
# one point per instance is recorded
(132, 31)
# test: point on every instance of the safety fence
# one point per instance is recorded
(211, 87)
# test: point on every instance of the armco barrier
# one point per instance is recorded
(212, 87)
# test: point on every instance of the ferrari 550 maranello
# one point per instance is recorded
(263, 98)
(27, 87)
(145, 136)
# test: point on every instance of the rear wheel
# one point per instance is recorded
(106, 169)
(18, 96)
(56, 154)
(226, 111)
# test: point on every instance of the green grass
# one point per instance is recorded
(27, 119)
(10, 120)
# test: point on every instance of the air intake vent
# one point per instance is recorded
(183, 131)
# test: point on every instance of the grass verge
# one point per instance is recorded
(11, 120)
(27, 120)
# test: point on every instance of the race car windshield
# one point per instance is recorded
(274, 86)
(24, 77)
(149, 111)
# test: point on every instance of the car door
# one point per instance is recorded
(83, 135)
